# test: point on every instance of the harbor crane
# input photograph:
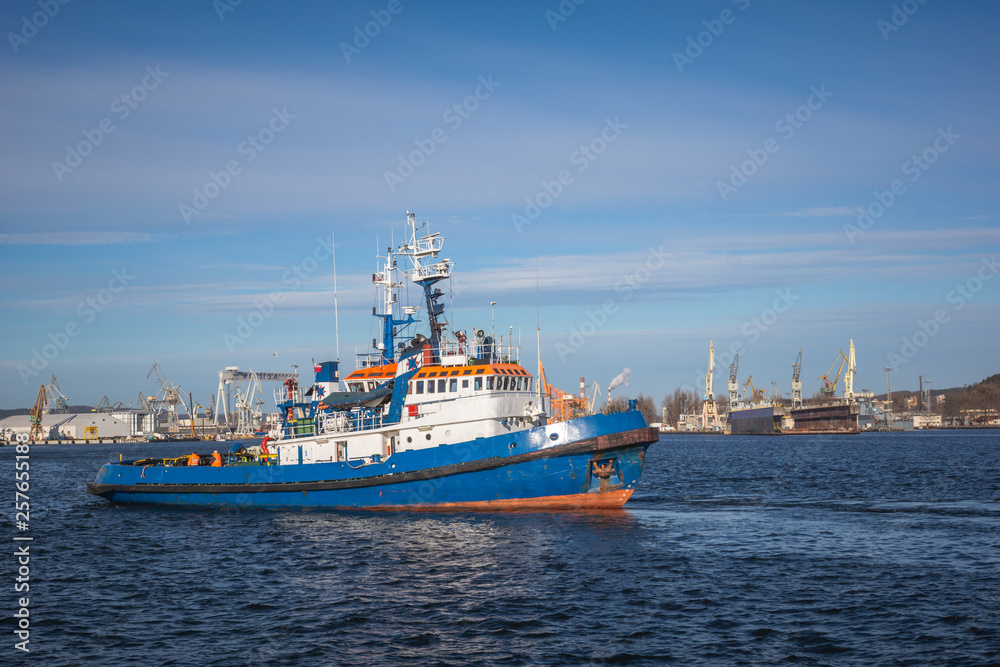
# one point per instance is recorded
(849, 375)
(709, 393)
(796, 382)
(104, 405)
(35, 416)
(734, 385)
(168, 398)
(756, 395)
(57, 401)
(244, 387)
(594, 394)
(249, 399)
(709, 415)
(830, 388)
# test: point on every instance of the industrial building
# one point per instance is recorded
(69, 426)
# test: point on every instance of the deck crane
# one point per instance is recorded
(830, 388)
(35, 416)
(168, 398)
(734, 385)
(796, 382)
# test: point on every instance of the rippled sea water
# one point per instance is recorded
(870, 549)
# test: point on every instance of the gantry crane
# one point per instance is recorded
(796, 382)
(35, 416)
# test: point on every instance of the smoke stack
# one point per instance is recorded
(583, 389)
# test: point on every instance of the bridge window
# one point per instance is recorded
(477, 384)
(489, 383)
(453, 385)
(441, 386)
(420, 386)
(465, 384)
(430, 386)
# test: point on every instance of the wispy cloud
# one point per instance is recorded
(822, 212)
(80, 238)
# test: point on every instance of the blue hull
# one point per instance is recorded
(592, 461)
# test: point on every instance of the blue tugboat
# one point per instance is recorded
(442, 421)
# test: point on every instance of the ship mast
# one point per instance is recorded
(426, 270)
(387, 298)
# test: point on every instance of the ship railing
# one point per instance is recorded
(438, 270)
(368, 359)
(495, 353)
(281, 395)
(349, 422)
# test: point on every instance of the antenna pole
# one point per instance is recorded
(336, 314)
(538, 324)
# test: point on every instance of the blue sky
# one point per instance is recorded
(649, 248)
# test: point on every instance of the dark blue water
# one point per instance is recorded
(860, 550)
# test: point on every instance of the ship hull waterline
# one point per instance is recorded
(598, 471)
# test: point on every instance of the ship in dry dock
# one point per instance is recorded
(752, 413)
(830, 414)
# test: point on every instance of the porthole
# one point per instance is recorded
(447, 434)
(409, 439)
(553, 436)
(511, 446)
(428, 436)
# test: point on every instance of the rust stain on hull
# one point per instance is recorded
(608, 500)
